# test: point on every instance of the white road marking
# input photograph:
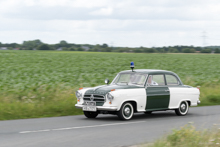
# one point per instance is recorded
(80, 127)
(35, 131)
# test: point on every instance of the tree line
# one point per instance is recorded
(65, 46)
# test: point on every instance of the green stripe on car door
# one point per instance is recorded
(157, 97)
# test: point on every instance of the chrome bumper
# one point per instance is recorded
(198, 102)
(99, 108)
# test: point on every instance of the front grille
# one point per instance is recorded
(97, 98)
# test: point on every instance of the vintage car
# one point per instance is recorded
(140, 90)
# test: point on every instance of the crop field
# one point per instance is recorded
(42, 83)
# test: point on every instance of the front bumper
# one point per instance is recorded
(99, 108)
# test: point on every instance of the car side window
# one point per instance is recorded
(155, 80)
(172, 80)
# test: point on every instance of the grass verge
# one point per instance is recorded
(188, 136)
(39, 104)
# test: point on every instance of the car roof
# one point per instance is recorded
(149, 71)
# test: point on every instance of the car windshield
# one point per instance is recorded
(131, 78)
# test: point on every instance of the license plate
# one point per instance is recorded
(89, 106)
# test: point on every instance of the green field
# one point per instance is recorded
(42, 83)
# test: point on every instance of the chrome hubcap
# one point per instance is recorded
(127, 111)
(183, 108)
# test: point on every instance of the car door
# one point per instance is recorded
(177, 91)
(158, 95)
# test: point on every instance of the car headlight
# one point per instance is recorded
(78, 95)
(110, 97)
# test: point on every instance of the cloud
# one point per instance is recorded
(124, 22)
(102, 11)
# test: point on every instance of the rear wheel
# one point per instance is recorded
(126, 112)
(89, 114)
(183, 108)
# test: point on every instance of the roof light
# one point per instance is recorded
(132, 66)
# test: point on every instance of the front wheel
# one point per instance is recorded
(89, 114)
(126, 112)
(183, 108)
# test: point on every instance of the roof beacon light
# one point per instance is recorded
(132, 66)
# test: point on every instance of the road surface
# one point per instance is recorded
(104, 131)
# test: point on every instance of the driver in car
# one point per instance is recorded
(150, 81)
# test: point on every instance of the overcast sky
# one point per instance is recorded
(131, 23)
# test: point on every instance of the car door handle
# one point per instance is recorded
(167, 90)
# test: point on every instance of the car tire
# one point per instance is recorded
(89, 114)
(148, 112)
(126, 112)
(183, 108)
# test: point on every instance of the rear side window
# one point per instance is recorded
(172, 80)
(155, 80)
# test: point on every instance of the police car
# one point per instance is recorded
(140, 90)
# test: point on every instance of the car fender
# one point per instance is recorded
(127, 100)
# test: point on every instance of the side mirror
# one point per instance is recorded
(106, 81)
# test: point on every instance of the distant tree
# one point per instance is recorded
(138, 51)
(31, 44)
(13, 45)
(43, 47)
(108, 49)
(79, 49)
(217, 50)
(162, 50)
(173, 50)
(29, 48)
(122, 49)
(63, 43)
(149, 50)
(192, 50)
(105, 45)
(188, 50)
(71, 49)
(96, 48)
(10, 48)
(206, 51)
(198, 48)
(166, 49)
(65, 49)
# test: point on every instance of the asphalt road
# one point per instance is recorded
(104, 131)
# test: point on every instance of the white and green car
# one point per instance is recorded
(141, 90)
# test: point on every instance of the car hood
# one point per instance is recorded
(104, 89)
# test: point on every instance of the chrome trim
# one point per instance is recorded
(94, 94)
(198, 102)
(93, 101)
(157, 94)
(99, 108)
(96, 97)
